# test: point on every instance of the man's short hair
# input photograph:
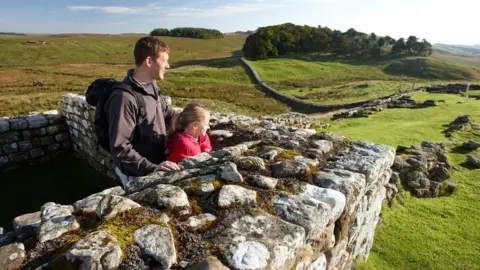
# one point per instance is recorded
(148, 46)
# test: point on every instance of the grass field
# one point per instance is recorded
(328, 80)
(70, 64)
(441, 233)
(103, 49)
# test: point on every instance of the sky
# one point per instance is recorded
(438, 21)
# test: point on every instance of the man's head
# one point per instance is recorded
(151, 57)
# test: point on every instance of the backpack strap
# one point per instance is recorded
(142, 110)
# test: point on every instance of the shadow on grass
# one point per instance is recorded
(224, 62)
(461, 150)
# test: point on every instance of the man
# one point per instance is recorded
(140, 155)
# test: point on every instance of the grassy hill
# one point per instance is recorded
(441, 233)
(69, 63)
(103, 49)
(331, 80)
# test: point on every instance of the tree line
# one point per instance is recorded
(288, 38)
(189, 32)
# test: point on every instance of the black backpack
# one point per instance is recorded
(97, 95)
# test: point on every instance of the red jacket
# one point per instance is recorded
(183, 145)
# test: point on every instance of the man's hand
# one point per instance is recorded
(169, 166)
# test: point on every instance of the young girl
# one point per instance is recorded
(188, 133)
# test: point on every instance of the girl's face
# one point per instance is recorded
(201, 127)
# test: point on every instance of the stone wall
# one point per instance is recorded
(306, 107)
(33, 139)
(80, 116)
(274, 197)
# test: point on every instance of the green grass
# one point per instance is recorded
(330, 80)
(113, 49)
(203, 70)
(441, 233)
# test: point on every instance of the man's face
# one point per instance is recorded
(159, 66)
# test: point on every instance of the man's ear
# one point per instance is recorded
(148, 61)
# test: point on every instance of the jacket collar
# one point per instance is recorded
(129, 79)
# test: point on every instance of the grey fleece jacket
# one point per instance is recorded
(135, 156)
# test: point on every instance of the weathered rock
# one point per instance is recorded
(112, 205)
(352, 185)
(368, 159)
(4, 126)
(221, 133)
(330, 136)
(471, 145)
(56, 220)
(264, 181)
(305, 132)
(335, 199)
(164, 196)
(231, 194)
(473, 160)
(270, 152)
(234, 150)
(37, 121)
(309, 161)
(90, 203)
(288, 168)
(157, 241)
(210, 263)
(312, 215)
(439, 174)
(323, 146)
(291, 144)
(449, 186)
(1, 231)
(27, 222)
(248, 255)
(250, 163)
(98, 250)
(240, 248)
(12, 256)
(18, 123)
(198, 222)
(197, 161)
(318, 264)
(230, 173)
(205, 188)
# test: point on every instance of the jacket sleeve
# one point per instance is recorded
(205, 144)
(121, 109)
(179, 151)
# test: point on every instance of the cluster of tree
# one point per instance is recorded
(289, 38)
(189, 32)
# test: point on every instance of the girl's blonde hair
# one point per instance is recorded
(191, 113)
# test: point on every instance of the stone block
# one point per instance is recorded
(54, 147)
(10, 148)
(53, 129)
(19, 157)
(18, 123)
(36, 142)
(26, 134)
(46, 140)
(38, 132)
(62, 137)
(10, 136)
(4, 126)
(3, 161)
(37, 152)
(67, 145)
(25, 145)
(37, 121)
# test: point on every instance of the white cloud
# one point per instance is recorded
(116, 9)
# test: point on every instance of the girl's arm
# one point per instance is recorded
(205, 145)
(179, 151)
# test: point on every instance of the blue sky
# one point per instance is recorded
(439, 21)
